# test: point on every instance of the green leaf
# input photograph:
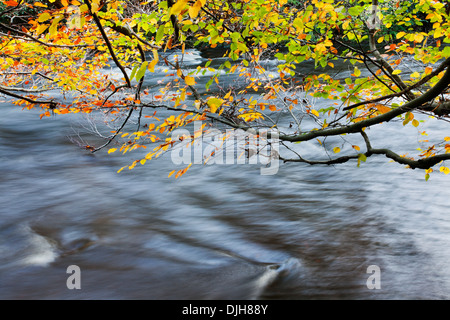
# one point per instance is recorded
(141, 72)
(446, 52)
(133, 72)
(159, 34)
(355, 11)
(362, 157)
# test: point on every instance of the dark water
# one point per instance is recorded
(220, 232)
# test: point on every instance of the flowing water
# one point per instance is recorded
(219, 232)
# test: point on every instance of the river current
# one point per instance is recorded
(220, 231)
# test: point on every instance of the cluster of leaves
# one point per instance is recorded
(68, 45)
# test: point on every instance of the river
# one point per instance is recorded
(220, 231)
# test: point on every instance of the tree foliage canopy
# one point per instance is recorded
(65, 46)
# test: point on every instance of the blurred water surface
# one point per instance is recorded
(220, 232)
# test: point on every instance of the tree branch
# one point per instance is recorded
(41, 42)
(438, 70)
(107, 42)
(432, 93)
(17, 96)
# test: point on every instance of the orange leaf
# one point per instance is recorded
(11, 3)
(38, 4)
(383, 109)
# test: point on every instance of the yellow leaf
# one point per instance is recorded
(171, 173)
(41, 28)
(400, 34)
(415, 75)
(357, 148)
(357, 72)
(314, 112)
(151, 65)
(38, 4)
(177, 7)
(95, 5)
(418, 37)
(214, 104)
(190, 81)
(112, 150)
(415, 123)
(445, 170)
(395, 72)
(44, 17)
(193, 11)
(337, 150)
(84, 8)
(227, 95)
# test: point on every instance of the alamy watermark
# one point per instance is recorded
(74, 280)
(374, 280)
(233, 146)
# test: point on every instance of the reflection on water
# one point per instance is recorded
(220, 232)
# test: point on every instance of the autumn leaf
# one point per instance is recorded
(190, 81)
(400, 34)
(214, 104)
(141, 72)
(177, 7)
(193, 10)
(382, 109)
(314, 112)
(44, 17)
(38, 4)
(11, 3)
